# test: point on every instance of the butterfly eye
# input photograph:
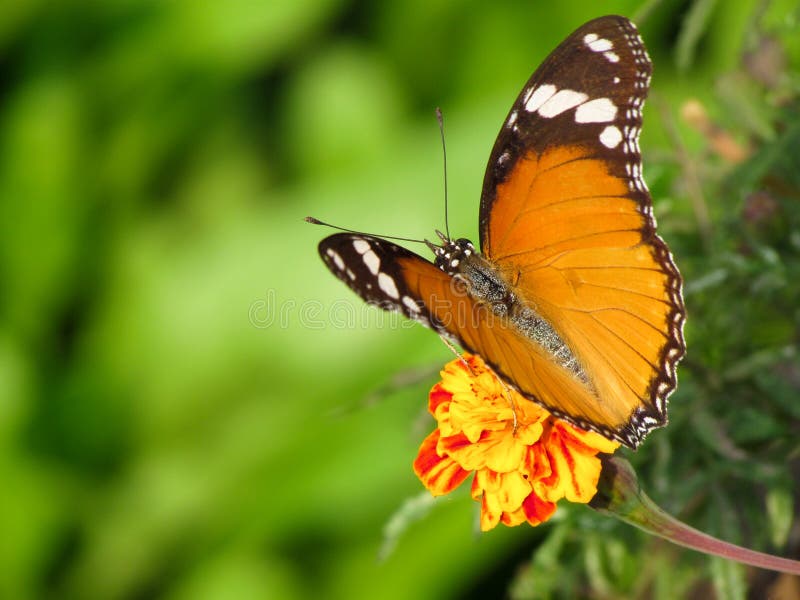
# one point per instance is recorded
(465, 246)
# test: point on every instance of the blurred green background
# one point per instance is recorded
(191, 406)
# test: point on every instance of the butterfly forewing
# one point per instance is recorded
(588, 93)
(566, 214)
(372, 268)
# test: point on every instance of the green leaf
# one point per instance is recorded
(695, 25)
(780, 513)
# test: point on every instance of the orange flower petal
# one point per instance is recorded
(476, 490)
(575, 468)
(500, 451)
(537, 464)
(510, 454)
(513, 490)
(509, 489)
(536, 510)
(490, 514)
(460, 449)
(512, 519)
(437, 396)
(440, 474)
(591, 441)
(475, 418)
(501, 495)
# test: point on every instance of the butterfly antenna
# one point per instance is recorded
(314, 221)
(444, 161)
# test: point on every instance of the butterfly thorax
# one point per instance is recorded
(489, 286)
(459, 259)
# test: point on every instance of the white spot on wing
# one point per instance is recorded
(386, 283)
(410, 304)
(611, 57)
(601, 110)
(597, 44)
(372, 261)
(538, 96)
(611, 136)
(561, 101)
(360, 246)
(336, 259)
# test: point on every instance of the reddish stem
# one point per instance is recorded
(619, 495)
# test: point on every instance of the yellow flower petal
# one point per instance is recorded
(575, 467)
(440, 474)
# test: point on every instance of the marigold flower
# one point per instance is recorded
(524, 459)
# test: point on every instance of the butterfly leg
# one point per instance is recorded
(458, 354)
(509, 398)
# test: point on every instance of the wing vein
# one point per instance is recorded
(572, 199)
(580, 237)
(613, 367)
(624, 342)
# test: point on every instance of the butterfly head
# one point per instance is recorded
(449, 255)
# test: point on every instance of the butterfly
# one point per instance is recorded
(573, 299)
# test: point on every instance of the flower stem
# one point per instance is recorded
(619, 495)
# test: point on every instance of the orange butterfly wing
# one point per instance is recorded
(566, 217)
(527, 366)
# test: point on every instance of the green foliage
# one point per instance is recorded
(182, 382)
